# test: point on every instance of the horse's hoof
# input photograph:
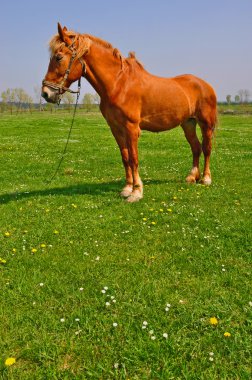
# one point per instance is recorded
(134, 197)
(126, 192)
(206, 181)
(190, 179)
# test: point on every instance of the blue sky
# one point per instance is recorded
(208, 38)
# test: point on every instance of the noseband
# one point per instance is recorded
(60, 86)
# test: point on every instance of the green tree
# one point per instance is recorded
(87, 101)
(237, 99)
(228, 99)
(68, 100)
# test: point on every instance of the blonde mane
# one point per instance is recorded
(84, 41)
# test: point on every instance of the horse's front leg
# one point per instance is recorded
(132, 144)
(120, 137)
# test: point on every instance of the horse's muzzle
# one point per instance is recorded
(49, 95)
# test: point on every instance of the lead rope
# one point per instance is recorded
(68, 137)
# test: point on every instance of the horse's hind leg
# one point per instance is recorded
(207, 133)
(189, 127)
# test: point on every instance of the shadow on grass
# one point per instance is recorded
(93, 189)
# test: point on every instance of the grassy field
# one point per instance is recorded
(95, 288)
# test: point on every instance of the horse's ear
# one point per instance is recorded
(62, 34)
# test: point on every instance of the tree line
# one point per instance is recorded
(16, 100)
(242, 97)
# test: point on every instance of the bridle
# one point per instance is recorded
(60, 87)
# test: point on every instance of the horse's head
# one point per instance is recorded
(65, 66)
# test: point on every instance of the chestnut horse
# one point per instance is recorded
(133, 100)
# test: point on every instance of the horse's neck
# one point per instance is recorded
(102, 69)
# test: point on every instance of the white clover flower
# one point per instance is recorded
(165, 335)
(116, 365)
(103, 291)
(153, 337)
(115, 324)
(62, 320)
(41, 284)
(250, 303)
(145, 323)
(107, 304)
(81, 289)
(151, 332)
(77, 319)
(105, 288)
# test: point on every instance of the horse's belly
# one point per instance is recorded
(159, 122)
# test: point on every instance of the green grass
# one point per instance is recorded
(185, 245)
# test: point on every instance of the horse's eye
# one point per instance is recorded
(58, 57)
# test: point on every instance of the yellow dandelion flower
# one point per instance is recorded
(175, 198)
(74, 205)
(213, 321)
(10, 361)
(42, 245)
(144, 219)
(56, 232)
(153, 223)
(7, 234)
(34, 250)
(227, 334)
(2, 261)
(161, 210)
(169, 209)
(14, 250)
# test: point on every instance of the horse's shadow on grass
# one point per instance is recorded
(93, 189)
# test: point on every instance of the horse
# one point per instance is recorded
(132, 100)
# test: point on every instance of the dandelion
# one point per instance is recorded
(227, 334)
(213, 321)
(153, 223)
(14, 250)
(34, 250)
(7, 234)
(74, 205)
(169, 210)
(2, 261)
(56, 232)
(42, 245)
(10, 361)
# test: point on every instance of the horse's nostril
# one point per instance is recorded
(45, 95)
